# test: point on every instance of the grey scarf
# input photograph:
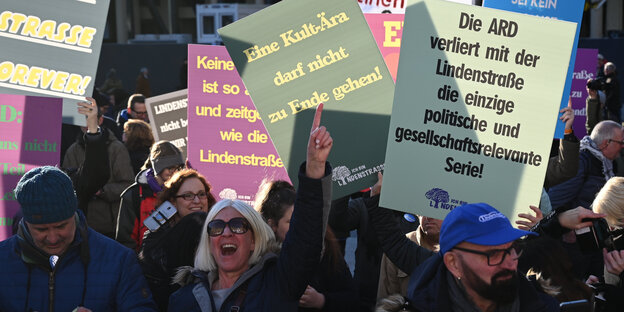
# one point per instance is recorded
(607, 165)
(461, 303)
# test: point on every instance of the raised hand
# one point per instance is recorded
(531, 220)
(90, 110)
(319, 146)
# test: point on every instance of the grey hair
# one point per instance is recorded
(263, 234)
(610, 67)
(392, 303)
(604, 131)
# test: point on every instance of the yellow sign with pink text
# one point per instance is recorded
(469, 122)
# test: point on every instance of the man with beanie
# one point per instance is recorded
(57, 263)
(139, 199)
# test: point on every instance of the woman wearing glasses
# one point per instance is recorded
(173, 244)
(237, 267)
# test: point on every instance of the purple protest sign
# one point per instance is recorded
(584, 68)
(30, 136)
(227, 141)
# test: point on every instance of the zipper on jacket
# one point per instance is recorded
(51, 291)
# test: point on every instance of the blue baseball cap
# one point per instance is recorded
(479, 224)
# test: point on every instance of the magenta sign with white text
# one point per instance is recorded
(227, 141)
(584, 68)
(30, 136)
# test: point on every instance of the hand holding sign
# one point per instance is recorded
(90, 110)
(319, 145)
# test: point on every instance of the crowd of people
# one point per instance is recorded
(127, 225)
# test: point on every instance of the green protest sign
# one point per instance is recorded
(309, 52)
(469, 122)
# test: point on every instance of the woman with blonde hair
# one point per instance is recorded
(236, 265)
(610, 202)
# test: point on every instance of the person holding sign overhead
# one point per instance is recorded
(236, 267)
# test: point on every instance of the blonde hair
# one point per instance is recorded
(610, 201)
(263, 234)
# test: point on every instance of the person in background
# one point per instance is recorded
(332, 288)
(611, 88)
(139, 199)
(394, 281)
(135, 109)
(102, 207)
(138, 138)
(57, 263)
(142, 83)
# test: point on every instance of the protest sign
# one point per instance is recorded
(227, 141)
(30, 136)
(468, 122)
(387, 30)
(167, 115)
(311, 52)
(584, 69)
(571, 11)
(51, 49)
(392, 6)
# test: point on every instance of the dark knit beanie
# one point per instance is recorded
(46, 195)
(164, 155)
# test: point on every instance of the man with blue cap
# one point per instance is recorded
(475, 269)
(56, 262)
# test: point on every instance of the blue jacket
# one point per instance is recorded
(277, 282)
(428, 290)
(581, 189)
(95, 271)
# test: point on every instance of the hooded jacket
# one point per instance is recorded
(94, 272)
(276, 282)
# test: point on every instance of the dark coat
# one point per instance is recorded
(113, 280)
(368, 253)
(582, 188)
(277, 282)
(102, 209)
(428, 290)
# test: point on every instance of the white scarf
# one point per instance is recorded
(607, 165)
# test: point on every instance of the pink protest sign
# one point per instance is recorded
(30, 136)
(584, 69)
(387, 30)
(227, 141)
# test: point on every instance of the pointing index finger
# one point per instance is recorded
(317, 117)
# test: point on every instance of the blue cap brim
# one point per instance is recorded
(499, 237)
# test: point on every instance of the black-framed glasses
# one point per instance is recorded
(497, 256)
(616, 141)
(236, 225)
(191, 196)
(141, 113)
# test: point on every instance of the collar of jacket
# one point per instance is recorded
(32, 255)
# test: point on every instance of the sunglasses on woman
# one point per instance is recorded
(236, 225)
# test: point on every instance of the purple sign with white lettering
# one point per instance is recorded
(227, 141)
(584, 68)
(30, 136)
